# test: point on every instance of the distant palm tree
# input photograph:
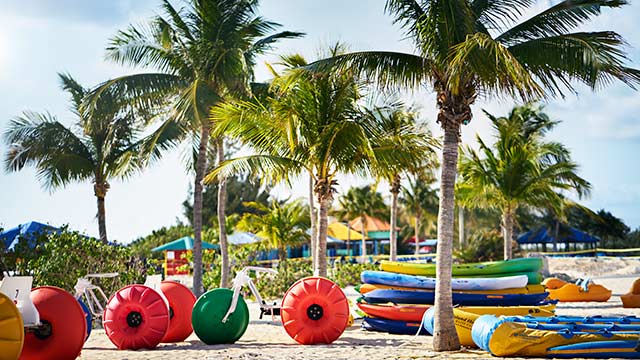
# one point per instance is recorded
(466, 48)
(410, 147)
(202, 54)
(420, 201)
(521, 169)
(360, 202)
(309, 124)
(280, 225)
(102, 144)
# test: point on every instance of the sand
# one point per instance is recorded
(266, 339)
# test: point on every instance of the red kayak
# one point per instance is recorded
(410, 313)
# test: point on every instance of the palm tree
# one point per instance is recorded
(467, 48)
(411, 147)
(281, 225)
(521, 170)
(360, 202)
(200, 55)
(102, 145)
(309, 124)
(420, 201)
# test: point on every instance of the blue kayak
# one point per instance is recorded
(392, 326)
(625, 349)
(423, 282)
(382, 296)
(577, 319)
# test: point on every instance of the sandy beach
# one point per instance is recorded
(266, 339)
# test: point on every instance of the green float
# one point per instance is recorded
(210, 310)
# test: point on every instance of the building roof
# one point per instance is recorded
(544, 236)
(10, 238)
(184, 243)
(340, 231)
(371, 224)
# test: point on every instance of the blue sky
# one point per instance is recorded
(39, 38)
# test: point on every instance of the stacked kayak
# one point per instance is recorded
(526, 266)
(583, 290)
(594, 337)
(395, 300)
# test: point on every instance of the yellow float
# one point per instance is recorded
(584, 290)
(632, 298)
(11, 329)
(464, 317)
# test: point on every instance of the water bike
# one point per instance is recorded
(313, 311)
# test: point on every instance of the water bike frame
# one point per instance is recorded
(243, 279)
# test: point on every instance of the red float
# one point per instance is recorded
(315, 311)
(181, 301)
(136, 317)
(64, 326)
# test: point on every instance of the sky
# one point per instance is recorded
(39, 38)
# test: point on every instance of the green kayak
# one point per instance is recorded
(506, 267)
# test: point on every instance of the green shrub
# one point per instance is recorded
(484, 245)
(60, 259)
(348, 274)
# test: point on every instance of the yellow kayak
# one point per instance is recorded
(529, 289)
(464, 317)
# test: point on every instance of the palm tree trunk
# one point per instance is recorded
(201, 165)
(222, 220)
(393, 241)
(417, 234)
(321, 241)
(100, 189)
(445, 337)
(314, 225)
(507, 232)
(363, 253)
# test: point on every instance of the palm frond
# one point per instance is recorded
(595, 59)
(266, 167)
(557, 20)
(58, 154)
(495, 69)
(383, 67)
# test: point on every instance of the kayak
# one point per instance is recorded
(464, 317)
(622, 349)
(414, 313)
(427, 297)
(572, 320)
(484, 268)
(410, 313)
(502, 337)
(422, 282)
(393, 326)
(529, 289)
(534, 276)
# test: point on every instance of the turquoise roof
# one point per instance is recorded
(185, 243)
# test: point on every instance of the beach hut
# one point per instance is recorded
(173, 252)
(567, 236)
(376, 230)
(27, 231)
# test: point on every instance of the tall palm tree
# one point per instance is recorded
(310, 124)
(360, 202)
(412, 147)
(281, 225)
(420, 201)
(466, 48)
(201, 54)
(522, 169)
(103, 144)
